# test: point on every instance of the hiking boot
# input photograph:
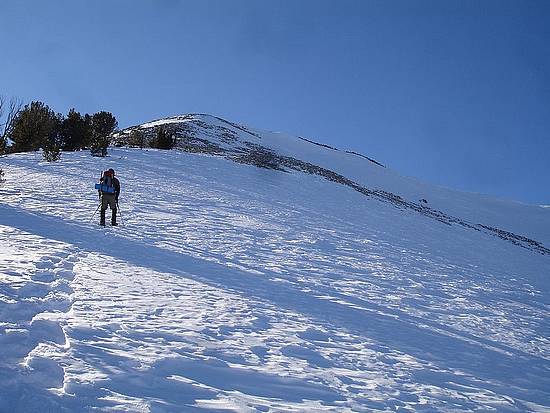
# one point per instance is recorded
(113, 218)
(102, 218)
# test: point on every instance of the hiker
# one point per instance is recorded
(108, 195)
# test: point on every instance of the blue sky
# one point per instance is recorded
(453, 92)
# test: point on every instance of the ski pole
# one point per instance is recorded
(95, 212)
(119, 213)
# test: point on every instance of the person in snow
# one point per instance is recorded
(108, 195)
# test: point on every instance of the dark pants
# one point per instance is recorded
(108, 200)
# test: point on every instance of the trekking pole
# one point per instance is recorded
(95, 212)
(119, 213)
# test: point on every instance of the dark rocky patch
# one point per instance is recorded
(317, 143)
(366, 157)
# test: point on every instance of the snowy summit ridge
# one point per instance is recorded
(201, 133)
(257, 271)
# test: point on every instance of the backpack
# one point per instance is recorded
(105, 184)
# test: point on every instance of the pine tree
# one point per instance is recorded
(75, 131)
(163, 140)
(102, 125)
(89, 131)
(136, 138)
(51, 148)
(32, 126)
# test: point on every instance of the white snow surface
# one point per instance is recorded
(234, 288)
(519, 218)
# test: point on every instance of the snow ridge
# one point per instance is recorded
(200, 133)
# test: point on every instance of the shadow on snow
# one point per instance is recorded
(481, 362)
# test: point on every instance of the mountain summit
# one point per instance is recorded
(257, 271)
(207, 134)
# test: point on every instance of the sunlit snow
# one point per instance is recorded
(232, 287)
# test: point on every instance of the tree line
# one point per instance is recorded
(36, 126)
(161, 139)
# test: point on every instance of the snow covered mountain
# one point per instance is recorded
(256, 271)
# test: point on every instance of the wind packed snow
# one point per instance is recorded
(235, 288)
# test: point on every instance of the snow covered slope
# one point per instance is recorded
(319, 282)
(213, 135)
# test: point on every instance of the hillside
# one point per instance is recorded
(208, 134)
(256, 271)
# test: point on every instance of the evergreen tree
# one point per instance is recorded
(163, 140)
(32, 126)
(136, 138)
(102, 125)
(75, 131)
(89, 132)
(53, 142)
